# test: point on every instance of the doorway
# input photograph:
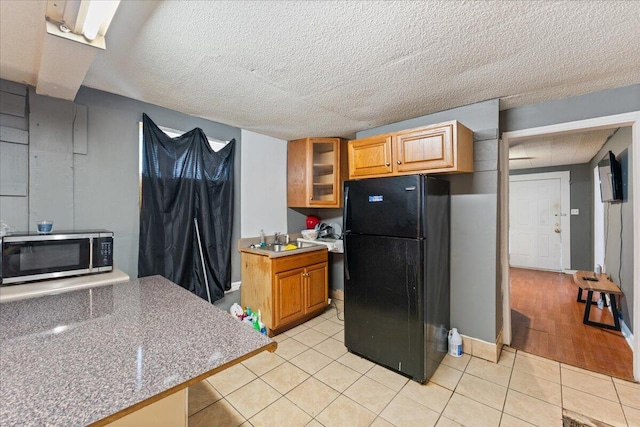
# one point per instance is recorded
(627, 119)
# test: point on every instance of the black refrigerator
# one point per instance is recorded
(396, 265)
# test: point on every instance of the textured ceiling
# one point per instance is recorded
(565, 149)
(291, 69)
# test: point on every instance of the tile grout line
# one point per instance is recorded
(624, 414)
(561, 396)
(504, 404)
(313, 376)
(397, 392)
(237, 409)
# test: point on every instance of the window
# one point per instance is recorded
(215, 144)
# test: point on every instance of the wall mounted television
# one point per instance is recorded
(610, 175)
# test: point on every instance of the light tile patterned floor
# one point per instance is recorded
(311, 380)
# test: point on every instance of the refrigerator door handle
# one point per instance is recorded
(347, 276)
(345, 210)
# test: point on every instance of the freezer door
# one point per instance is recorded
(384, 311)
(384, 206)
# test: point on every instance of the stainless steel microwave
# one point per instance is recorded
(29, 257)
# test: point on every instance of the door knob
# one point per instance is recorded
(399, 162)
(388, 164)
(557, 230)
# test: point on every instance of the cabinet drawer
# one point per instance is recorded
(298, 261)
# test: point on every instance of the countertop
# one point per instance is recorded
(56, 286)
(77, 357)
(273, 254)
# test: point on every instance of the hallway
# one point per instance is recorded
(546, 321)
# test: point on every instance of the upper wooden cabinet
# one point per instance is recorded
(442, 148)
(370, 156)
(316, 168)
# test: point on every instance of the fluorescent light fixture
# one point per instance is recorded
(87, 18)
(94, 17)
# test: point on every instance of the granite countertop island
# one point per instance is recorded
(94, 355)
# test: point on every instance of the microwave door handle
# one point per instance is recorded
(90, 253)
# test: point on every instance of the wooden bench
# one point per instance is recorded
(603, 285)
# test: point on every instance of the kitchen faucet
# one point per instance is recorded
(276, 238)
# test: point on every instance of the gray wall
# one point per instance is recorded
(619, 223)
(597, 104)
(476, 298)
(581, 185)
(296, 221)
(99, 189)
(14, 155)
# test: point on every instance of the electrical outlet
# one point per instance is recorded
(575, 211)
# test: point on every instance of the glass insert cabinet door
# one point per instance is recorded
(324, 171)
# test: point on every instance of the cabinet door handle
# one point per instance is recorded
(310, 198)
(388, 164)
(399, 162)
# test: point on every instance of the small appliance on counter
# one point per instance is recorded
(28, 257)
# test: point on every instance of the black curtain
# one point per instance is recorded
(184, 181)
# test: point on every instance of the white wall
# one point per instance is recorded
(263, 171)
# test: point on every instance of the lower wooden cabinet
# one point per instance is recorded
(317, 287)
(287, 290)
(288, 295)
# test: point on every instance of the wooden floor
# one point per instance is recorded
(546, 320)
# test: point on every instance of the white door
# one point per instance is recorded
(535, 232)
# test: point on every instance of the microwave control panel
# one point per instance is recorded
(102, 252)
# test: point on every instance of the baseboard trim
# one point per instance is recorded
(483, 349)
(336, 294)
(235, 286)
(626, 332)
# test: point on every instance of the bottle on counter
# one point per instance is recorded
(263, 239)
